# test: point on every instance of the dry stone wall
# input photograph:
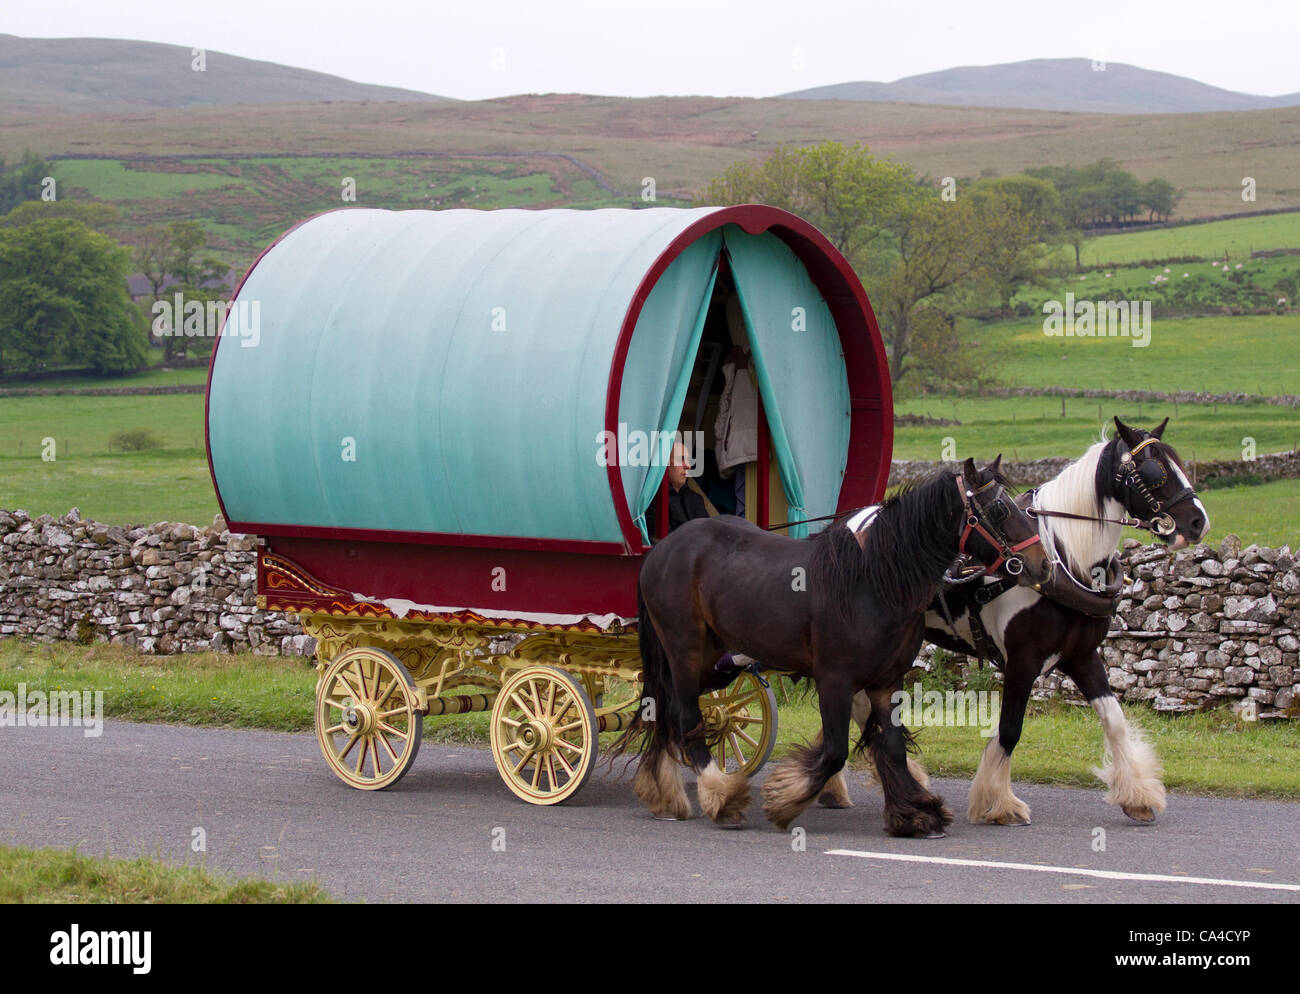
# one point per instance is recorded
(1207, 624)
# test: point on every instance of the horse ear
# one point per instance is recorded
(969, 471)
(1159, 429)
(1130, 437)
(997, 463)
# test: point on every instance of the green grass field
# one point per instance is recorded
(1237, 238)
(1255, 354)
(246, 203)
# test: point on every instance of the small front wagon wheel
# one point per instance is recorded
(740, 724)
(544, 735)
(368, 718)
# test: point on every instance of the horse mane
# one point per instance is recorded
(910, 543)
(1082, 487)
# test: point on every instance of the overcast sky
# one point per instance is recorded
(488, 48)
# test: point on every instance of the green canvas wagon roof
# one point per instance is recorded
(446, 376)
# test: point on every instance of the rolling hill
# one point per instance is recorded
(99, 74)
(1054, 84)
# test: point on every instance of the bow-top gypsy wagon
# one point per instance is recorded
(453, 428)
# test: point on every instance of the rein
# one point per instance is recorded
(824, 517)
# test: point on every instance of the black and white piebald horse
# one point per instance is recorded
(1027, 633)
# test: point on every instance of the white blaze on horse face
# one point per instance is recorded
(1205, 515)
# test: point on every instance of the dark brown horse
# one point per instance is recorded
(1027, 633)
(848, 612)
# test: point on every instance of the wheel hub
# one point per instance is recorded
(358, 718)
(716, 720)
(536, 736)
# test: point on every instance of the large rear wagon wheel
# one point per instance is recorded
(544, 735)
(740, 724)
(368, 718)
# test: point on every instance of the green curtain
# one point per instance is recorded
(799, 365)
(662, 335)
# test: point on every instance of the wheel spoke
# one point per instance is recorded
(522, 706)
(550, 772)
(522, 760)
(735, 745)
(537, 772)
(359, 669)
(565, 763)
(352, 690)
(734, 703)
(566, 744)
(355, 737)
(381, 715)
(388, 692)
(386, 727)
(387, 745)
(361, 756)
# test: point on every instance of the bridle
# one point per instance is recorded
(987, 522)
(1134, 480)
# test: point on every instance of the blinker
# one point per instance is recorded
(1152, 473)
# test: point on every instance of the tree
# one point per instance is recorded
(850, 195)
(1022, 225)
(21, 181)
(937, 247)
(1160, 197)
(64, 299)
(174, 252)
(100, 217)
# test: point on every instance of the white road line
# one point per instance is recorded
(1069, 870)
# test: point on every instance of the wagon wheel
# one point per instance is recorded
(740, 724)
(368, 719)
(544, 735)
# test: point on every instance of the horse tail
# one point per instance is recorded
(654, 729)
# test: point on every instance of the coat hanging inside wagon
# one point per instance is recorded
(426, 374)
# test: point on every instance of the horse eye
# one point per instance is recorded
(998, 513)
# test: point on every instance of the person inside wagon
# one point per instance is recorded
(686, 501)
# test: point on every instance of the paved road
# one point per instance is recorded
(270, 808)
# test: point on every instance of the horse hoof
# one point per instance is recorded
(731, 824)
(1142, 815)
(833, 802)
(1010, 819)
(667, 818)
(936, 835)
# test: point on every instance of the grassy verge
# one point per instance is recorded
(1211, 752)
(56, 876)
